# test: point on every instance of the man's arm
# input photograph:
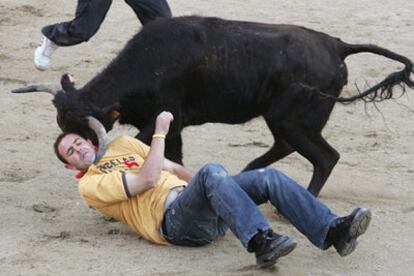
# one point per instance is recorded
(151, 169)
(178, 170)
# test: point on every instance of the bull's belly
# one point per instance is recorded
(225, 115)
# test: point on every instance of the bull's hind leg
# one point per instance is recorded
(279, 150)
(321, 174)
(314, 148)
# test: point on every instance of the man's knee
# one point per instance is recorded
(272, 177)
(212, 174)
(213, 169)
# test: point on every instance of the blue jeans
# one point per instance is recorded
(214, 201)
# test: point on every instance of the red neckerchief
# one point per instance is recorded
(80, 173)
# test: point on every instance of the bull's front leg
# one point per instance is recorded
(145, 134)
(173, 149)
(173, 142)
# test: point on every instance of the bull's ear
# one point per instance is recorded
(68, 82)
(113, 111)
(115, 114)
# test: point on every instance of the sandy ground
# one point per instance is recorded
(46, 229)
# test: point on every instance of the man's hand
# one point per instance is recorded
(163, 122)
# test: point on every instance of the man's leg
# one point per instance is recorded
(88, 18)
(211, 202)
(212, 194)
(147, 10)
(306, 212)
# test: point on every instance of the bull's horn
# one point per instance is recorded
(49, 88)
(100, 132)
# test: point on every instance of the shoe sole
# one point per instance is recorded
(40, 68)
(359, 226)
(283, 249)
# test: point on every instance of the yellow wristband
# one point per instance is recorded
(157, 135)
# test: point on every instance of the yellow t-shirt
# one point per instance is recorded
(102, 187)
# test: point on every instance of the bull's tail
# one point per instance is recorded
(384, 89)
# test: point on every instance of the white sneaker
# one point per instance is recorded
(43, 53)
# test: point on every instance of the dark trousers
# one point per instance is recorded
(90, 15)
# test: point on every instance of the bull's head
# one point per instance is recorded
(76, 113)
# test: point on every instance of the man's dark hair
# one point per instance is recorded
(56, 146)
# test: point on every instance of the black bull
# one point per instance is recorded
(214, 70)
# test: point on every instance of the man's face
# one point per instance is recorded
(79, 153)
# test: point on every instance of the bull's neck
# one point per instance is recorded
(118, 79)
(105, 92)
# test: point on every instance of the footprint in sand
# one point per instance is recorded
(17, 175)
(43, 208)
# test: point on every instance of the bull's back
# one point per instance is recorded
(245, 66)
(226, 71)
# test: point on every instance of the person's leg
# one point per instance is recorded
(306, 212)
(211, 202)
(147, 10)
(88, 18)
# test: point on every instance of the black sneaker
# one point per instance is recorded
(344, 231)
(269, 247)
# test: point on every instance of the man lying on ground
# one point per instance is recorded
(166, 204)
